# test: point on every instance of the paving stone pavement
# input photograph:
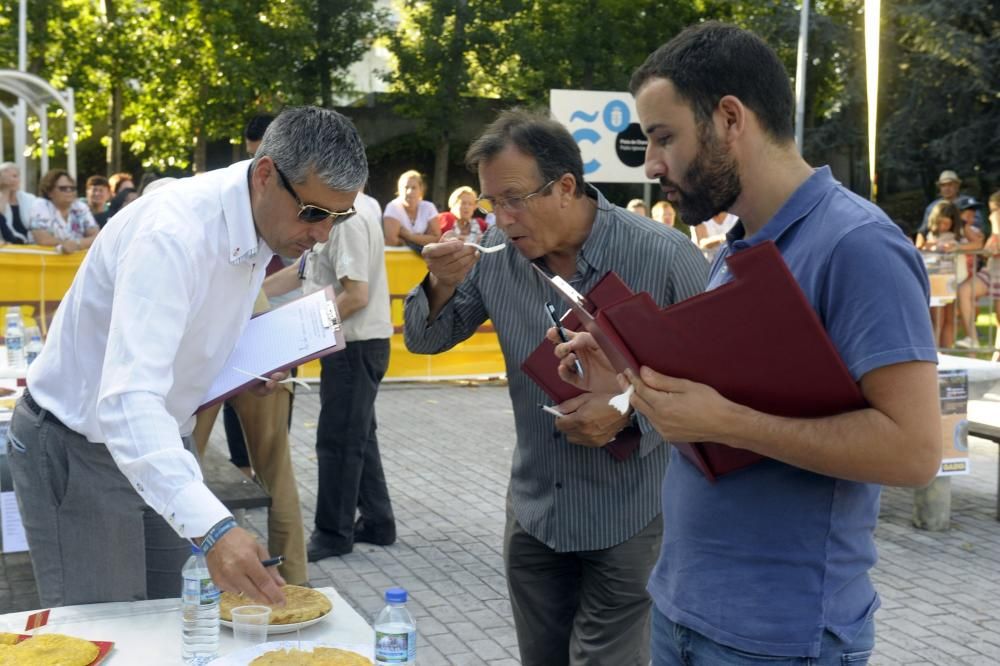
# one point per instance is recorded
(446, 450)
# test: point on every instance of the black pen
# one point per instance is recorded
(273, 562)
(562, 333)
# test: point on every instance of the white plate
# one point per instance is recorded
(283, 628)
(243, 656)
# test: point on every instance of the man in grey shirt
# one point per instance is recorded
(583, 528)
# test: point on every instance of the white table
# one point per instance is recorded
(149, 632)
(982, 374)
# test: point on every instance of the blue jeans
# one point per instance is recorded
(676, 645)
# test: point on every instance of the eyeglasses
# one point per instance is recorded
(514, 204)
(311, 214)
(66, 188)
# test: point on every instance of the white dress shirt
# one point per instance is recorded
(153, 313)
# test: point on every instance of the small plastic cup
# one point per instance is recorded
(250, 624)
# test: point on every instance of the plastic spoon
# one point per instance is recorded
(486, 250)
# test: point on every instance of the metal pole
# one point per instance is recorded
(43, 125)
(800, 74)
(21, 121)
(22, 36)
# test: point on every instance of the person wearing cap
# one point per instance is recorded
(948, 186)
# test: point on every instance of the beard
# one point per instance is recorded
(713, 182)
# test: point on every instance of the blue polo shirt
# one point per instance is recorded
(767, 558)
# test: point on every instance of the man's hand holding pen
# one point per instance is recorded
(236, 564)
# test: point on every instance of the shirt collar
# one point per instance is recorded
(802, 201)
(244, 244)
(595, 253)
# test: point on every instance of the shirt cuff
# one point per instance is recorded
(650, 439)
(194, 510)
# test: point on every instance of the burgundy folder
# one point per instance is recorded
(541, 364)
(755, 339)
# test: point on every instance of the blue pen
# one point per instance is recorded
(562, 333)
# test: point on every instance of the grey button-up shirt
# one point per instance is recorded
(570, 497)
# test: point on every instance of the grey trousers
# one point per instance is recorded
(92, 538)
(581, 608)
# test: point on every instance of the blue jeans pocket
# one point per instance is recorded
(855, 658)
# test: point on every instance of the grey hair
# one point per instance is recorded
(7, 165)
(308, 139)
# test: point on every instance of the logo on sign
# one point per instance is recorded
(630, 143)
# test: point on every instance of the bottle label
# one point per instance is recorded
(393, 648)
(202, 592)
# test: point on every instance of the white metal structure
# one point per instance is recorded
(36, 95)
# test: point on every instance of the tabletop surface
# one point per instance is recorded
(149, 632)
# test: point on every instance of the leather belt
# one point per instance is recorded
(36, 409)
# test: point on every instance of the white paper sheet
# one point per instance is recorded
(14, 540)
(276, 339)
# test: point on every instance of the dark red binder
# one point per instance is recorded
(541, 364)
(756, 340)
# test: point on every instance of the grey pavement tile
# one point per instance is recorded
(448, 483)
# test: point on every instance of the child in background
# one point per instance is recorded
(946, 232)
(986, 281)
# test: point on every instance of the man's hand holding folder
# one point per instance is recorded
(679, 409)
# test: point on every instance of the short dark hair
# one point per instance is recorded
(534, 134)
(710, 60)
(256, 126)
(49, 180)
(98, 181)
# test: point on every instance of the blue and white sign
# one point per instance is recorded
(606, 127)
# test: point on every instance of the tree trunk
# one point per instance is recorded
(115, 140)
(440, 193)
(200, 151)
(322, 61)
(114, 155)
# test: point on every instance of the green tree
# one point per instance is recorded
(343, 30)
(942, 91)
(432, 50)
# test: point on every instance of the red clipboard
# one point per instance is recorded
(756, 340)
(541, 365)
(327, 319)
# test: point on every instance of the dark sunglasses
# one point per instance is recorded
(66, 188)
(310, 213)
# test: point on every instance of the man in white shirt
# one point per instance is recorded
(351, 479)
(97, 445)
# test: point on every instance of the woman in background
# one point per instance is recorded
(457, 222)
(15, 206)
(59, 218)
(408, 219)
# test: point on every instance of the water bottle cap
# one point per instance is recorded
(395, 595)
(195, 550)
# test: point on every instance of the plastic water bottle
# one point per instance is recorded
(34, 346)
(14, 339)
(395, 631)
(200, 610)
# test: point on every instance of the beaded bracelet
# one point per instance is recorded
(216, 532)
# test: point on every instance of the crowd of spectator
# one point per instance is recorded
(956, 227)
(57, 217)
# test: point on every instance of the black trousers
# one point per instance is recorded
(350, 467)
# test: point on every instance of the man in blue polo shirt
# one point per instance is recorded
(770, 563)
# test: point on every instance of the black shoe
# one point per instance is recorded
(384, 535)
(321, 547)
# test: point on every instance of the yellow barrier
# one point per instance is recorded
(37, 277)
